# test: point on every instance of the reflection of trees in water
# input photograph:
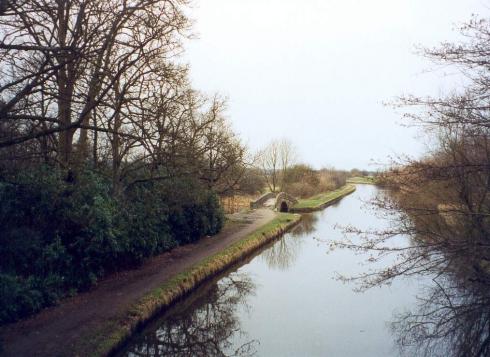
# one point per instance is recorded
(282, 254)
(445, 198)
(453, 318)
(205, 326)
(307, 225)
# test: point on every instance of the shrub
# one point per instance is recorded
(62, 232)
(303, 181)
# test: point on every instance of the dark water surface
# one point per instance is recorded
(286, 301)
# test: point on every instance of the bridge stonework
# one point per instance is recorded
(261, 200)
(284, 201)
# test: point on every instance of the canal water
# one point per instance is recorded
(288, 300)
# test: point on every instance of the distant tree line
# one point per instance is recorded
(107, 154)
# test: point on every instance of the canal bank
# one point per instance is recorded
(322, 200)
(116, 332)
(96, 322)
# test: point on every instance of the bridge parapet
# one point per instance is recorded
(262, 199)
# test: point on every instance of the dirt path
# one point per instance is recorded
(55, 331)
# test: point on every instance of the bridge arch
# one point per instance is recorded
(284, 207)
(284, 202)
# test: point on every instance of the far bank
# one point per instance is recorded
(322, 200)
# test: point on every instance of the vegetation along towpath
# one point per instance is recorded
(84, 325)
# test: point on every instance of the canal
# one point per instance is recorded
(287, 300)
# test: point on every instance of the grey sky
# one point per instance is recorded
(317, 71)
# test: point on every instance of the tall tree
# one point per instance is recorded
(62, 58)
(274, 160)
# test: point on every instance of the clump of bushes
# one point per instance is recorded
(61, 233)
(252, 182)
(303, 181)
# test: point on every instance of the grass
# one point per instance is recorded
(367, 180)
(112, 335)
(322, 200)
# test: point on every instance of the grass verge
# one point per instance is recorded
(366, 180)
(322, 200)
(109, 338)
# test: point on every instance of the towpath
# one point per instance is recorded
(56, 331)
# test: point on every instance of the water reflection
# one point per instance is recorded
(293, 306)
(307, 225)
(283, 253)
(453, 316)
(203, 325)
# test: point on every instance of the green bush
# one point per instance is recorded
(61, 232)
(144, 220)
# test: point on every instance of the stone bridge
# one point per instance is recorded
(281, 202)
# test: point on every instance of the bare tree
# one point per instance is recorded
(274, 160)
(268, 161)
(442, 203)
(288, 156)
(224, 155)
(61, 59)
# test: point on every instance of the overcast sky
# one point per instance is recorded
(318, 71)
